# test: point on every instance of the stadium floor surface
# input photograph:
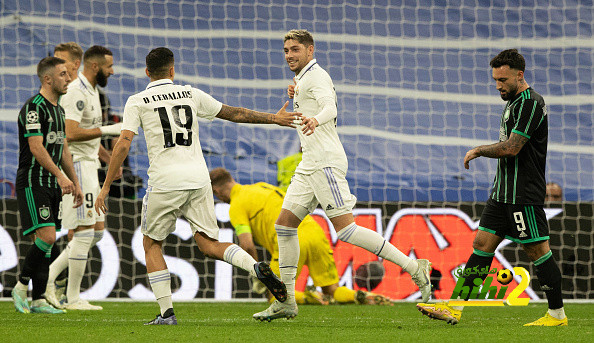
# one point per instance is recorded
(232, 322)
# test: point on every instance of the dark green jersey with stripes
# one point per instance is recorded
(521, 179)
(38, 117)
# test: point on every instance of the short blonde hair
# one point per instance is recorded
(73, 49)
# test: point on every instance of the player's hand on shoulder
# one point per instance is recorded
(284, 118)
(309, 125)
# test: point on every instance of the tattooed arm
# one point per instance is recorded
(243, 115)
(509, 148)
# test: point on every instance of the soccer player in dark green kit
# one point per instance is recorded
(40, 183)
(515, 207)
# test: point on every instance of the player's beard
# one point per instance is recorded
(509, 94)
(101, 78)
(60, 89)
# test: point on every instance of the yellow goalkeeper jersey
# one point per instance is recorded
(255, 208)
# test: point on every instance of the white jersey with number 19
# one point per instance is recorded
(168, 115)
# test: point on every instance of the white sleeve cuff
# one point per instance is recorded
(328, 111)
(111, 130)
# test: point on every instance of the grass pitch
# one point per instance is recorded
(232, 322)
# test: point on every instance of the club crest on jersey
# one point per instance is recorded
(80, 105)
(32, 117)
(44, 212)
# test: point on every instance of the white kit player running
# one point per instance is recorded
(83, 131)
(320, 179)
(179, 182)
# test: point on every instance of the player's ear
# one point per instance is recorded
(310, 50)
(172, 72)
(146, 72)
(47, 78)
(77, 64)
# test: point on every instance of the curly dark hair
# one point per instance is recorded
(509, 57)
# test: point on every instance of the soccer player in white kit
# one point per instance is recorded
(320, 179)
(179, 181)
(83, 131)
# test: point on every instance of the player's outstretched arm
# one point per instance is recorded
(119, 154)
(68, 168)
(508, 148)
(243, 115)
(75, 133)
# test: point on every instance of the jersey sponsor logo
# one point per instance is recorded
(55, 137)
(80, 105)
(44, 212)
(36, 126)
(329, 207)
(32, 117)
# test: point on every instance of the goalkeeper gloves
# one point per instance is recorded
(111, 130)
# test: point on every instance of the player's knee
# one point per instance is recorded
(49, 239)
(536, 250)
(479, 244)
(48, 236)
(291, 214)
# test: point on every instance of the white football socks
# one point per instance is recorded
(238, 257)
(161, 284)
(59, 264)
(375, 243)
(288, 259)
(77, 262)
(558, 313)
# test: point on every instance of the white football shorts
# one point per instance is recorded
(84, 215)
(327, 186)
(160, 210)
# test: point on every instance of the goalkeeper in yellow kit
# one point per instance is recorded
(253, 211)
